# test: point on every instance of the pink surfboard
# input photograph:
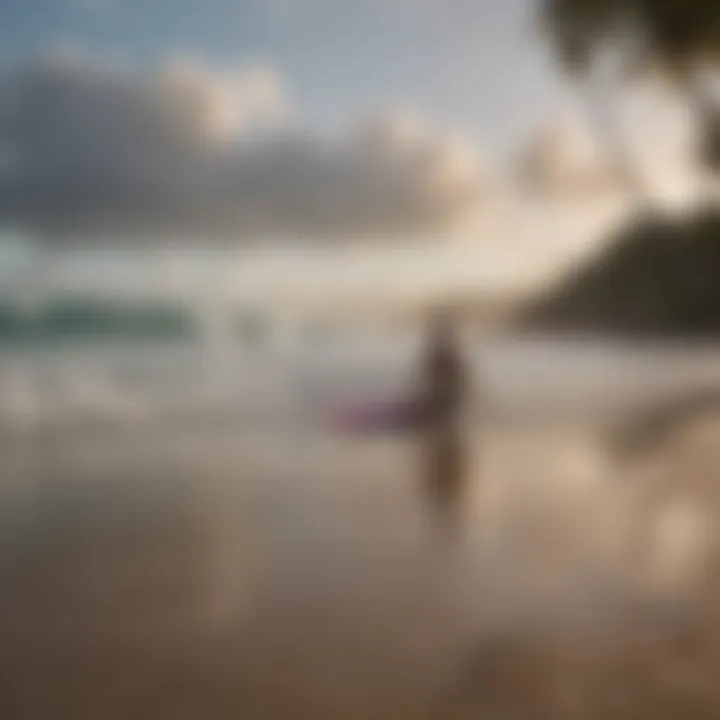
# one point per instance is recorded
(403, 414)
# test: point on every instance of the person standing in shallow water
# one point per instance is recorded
(444, 399)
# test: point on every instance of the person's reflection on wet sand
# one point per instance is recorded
(444, 396)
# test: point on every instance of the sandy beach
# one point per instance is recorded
(217, 567)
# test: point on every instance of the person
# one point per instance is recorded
(444, 398)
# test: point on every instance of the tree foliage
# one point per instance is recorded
(680, 38)
(674, 35)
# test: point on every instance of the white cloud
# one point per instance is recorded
(577, 157)
(561, 159)
(95, 149)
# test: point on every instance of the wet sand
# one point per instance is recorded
(210, 576)
(190, 573)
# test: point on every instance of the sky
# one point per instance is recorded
(475, 63)
(256, 125)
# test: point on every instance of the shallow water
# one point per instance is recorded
(527, 379)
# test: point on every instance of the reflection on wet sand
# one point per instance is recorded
(444, 480)
(218, 584)
(203, 575)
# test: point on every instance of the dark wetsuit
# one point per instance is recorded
(444, 386)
